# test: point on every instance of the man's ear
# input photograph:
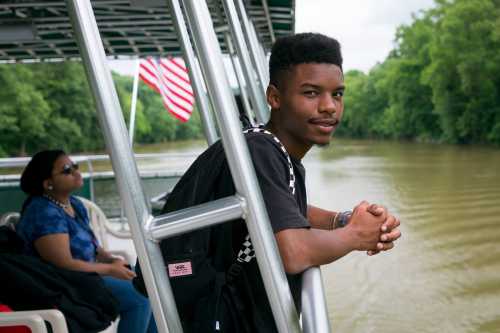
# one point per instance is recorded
(273, 97)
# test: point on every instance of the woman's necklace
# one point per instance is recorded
(57, 202)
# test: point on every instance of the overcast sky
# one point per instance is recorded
(365, 28)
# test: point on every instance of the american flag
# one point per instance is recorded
(169, 77)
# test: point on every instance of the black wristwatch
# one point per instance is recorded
(343, 218)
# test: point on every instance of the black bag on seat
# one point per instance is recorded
(28, 283)
(10, 242)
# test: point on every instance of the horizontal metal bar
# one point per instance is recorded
(101, 175)
(9, 162)
(129, 23)
(57, 19)
(200, 216)
(271, 8)
(168, 37)
(111, 21)
(109, 48)
(53, 58)
(14, 4)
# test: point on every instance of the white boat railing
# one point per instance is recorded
(15, 162)
(12, 179)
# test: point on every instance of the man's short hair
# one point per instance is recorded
(301, 49)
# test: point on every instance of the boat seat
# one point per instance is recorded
(34, 320)
(10, 219)
(100, 225)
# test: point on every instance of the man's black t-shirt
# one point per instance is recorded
(209, 178)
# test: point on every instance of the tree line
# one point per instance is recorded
(440, 83)
(49, 105)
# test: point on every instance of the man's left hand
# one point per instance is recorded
(389, 229)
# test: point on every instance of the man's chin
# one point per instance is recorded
(324, 142)
(322, 145)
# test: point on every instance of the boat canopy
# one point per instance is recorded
(41, 30)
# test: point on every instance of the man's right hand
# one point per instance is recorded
(365, 227)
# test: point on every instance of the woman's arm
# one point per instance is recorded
(104, 256)
(55, 249)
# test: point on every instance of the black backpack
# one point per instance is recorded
(210, 297)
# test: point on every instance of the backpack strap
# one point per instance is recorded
(247, 253)
(261, 129)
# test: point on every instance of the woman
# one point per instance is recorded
(55, 226)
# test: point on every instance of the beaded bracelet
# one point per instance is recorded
(333, 221)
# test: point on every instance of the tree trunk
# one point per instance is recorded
(22, 150)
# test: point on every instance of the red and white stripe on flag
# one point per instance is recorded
(169, 77)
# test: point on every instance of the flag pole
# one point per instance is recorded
(131, 127)
(133, 103)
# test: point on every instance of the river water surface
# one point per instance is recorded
(444, 274)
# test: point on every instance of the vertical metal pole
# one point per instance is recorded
(268, 20)
(257, 95)
(122, 159)
(194, 72)
(239, 76)
(260, 55)
(253, 44)
(241, 167)
(133, 104)
(91, 179)
(131, 128)
(314, 310)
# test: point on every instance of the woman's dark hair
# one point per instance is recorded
(38, 169)
(302, 48)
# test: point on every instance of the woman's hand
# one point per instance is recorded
(120, 270)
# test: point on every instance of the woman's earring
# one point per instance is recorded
(50, 187)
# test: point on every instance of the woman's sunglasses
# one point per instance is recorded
(68, 169)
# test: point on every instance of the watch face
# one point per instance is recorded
(344, 218)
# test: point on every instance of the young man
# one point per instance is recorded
(306, 98)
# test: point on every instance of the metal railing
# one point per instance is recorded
(12, 179)
(122, 159)
(247, 203)
(256, 91)
(13, 162)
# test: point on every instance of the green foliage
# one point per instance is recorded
(441, 82)
(50, 106)
(364, 104)
(465, 71)
(23, 110)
